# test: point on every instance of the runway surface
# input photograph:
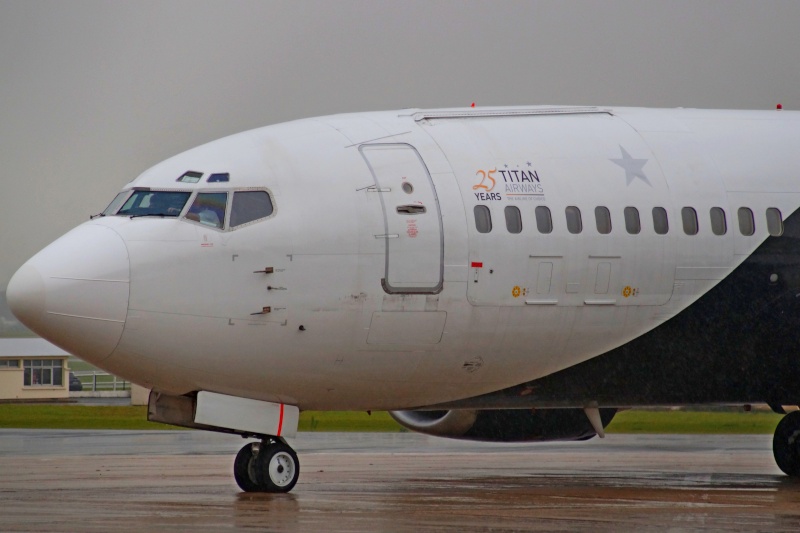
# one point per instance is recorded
(182, 481)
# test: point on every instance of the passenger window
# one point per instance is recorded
(249, 206)
(689, 218)
(544, 222)
(774, 222)
(483, 219)
(513, 219)
(660, 220)
(632, 223)
(747, 225)
(209, 209)
(602, 218)
(718, 223)
(574, 223)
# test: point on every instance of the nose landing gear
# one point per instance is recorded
(267, 466)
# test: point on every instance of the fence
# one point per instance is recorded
(97, 381)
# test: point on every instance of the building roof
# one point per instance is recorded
(29, 348)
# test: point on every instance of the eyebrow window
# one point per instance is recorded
(190, 177)
(249, 206)
(513, 219)
(544, 222)
(747, 226)
(660, 220)
(632, 223)
(574, 222)
(719, 226)
(209, 209)
(217, 178)
(483, 219)
(602, 217)
(689, 218)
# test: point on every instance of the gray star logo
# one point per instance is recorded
(633, 167)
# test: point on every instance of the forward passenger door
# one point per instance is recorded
(412, 219)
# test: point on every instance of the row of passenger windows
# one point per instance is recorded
(633, 225)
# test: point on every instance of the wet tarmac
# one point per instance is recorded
(182, 481)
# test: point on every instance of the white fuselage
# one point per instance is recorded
(383, 286)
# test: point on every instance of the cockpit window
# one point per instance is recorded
(115, 203)
(154, 203)
(249, 206)
(190, 176)
(219, 177)
(209, 209)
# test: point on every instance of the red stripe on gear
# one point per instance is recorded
(280, 423)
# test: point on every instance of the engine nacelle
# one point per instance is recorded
(504, 425)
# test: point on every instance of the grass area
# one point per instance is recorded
(76, 364)
(135, 417)
(348, 421)
(694, 422)
(48, 416)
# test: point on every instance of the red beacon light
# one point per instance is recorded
(779, 107)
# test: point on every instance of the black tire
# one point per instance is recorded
(786, 444)
(244, 469)
(277, 468)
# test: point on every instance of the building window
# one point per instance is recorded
(602, 217)
(9, 363)
(574, 223)
(483, 219)
(660, 220)
(747, 225)
(632, 223)
(544, 222)
(43, 372)
(774, 222)
(718, 223)
(513, 219)
(689, 218)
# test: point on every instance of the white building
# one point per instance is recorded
(32, 369)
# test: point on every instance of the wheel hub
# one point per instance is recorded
(281, 469)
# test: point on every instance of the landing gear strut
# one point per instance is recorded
(267, 466)
(786, 444)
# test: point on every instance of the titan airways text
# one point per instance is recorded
(500, 274)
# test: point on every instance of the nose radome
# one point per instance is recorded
(75, 292)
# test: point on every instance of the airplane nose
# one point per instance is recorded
(75, 292)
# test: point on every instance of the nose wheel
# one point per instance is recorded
(786, 444)
(266, 467)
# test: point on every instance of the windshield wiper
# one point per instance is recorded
(162, 215)
(92, 217)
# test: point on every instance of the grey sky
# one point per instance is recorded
(92, 93)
